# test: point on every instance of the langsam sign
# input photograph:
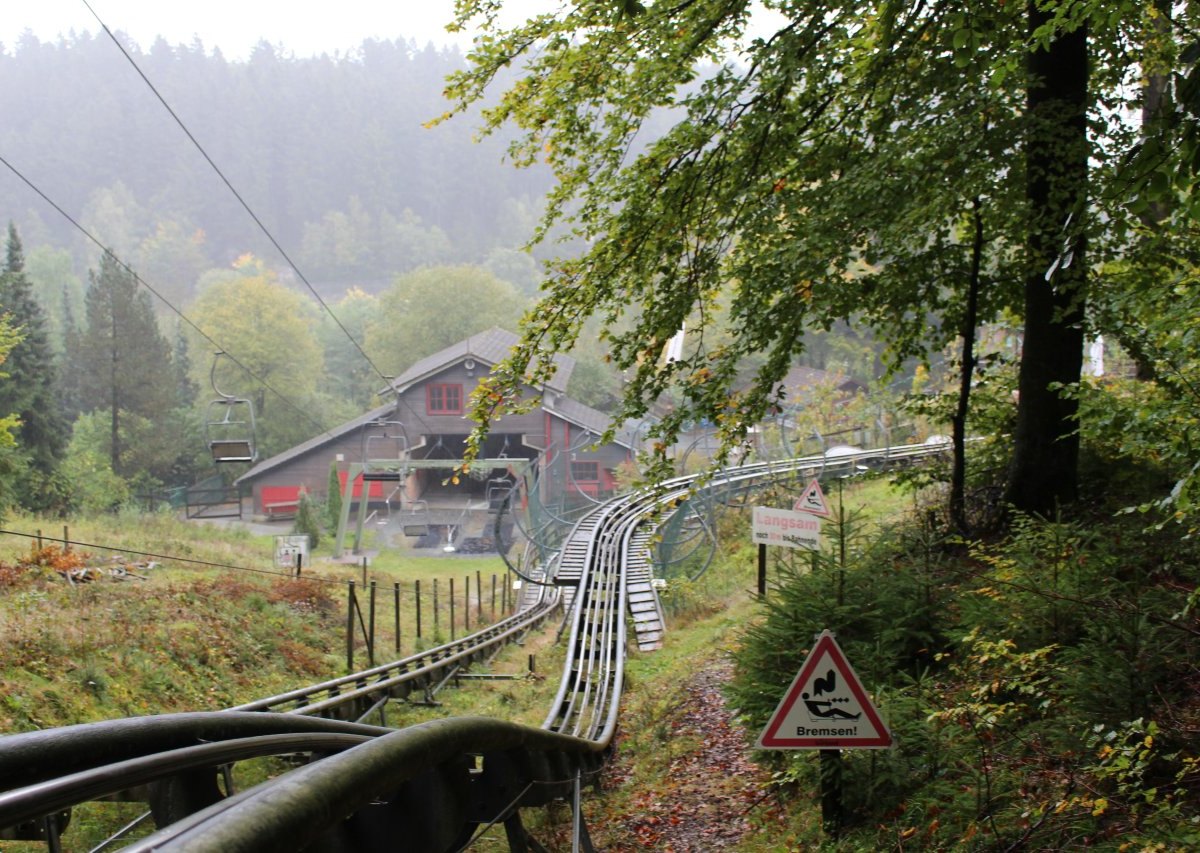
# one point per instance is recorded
(787, 528)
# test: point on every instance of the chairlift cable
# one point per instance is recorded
(242, 201)
(138, 279)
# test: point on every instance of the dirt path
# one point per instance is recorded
(712, 785)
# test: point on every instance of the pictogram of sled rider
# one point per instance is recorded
(827, 709)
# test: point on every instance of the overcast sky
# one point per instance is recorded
(236, 26)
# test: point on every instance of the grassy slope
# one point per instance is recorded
(191, 636)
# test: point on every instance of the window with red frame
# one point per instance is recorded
(443, 399)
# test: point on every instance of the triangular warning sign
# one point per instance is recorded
(812, 501)
(826, 707)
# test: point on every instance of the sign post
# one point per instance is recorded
(826, 708)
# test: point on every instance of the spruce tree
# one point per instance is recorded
(123, 362)
(333, 497)
(68, 385)
(29, 390)
(307, 521)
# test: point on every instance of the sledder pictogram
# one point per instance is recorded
(812, 501)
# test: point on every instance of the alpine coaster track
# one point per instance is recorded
(428, 787)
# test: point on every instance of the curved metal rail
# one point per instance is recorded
(363, 787)
(356, 696)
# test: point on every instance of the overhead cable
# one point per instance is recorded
(173, 559)
(92, 238)
(238, 196)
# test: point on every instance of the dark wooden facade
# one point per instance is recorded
(428, 421)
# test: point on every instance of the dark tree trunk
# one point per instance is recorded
(1045, 465)
(114, 372)
(958, 472)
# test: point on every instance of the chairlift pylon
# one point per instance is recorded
(229, 428)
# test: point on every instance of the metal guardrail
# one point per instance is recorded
(434, 785)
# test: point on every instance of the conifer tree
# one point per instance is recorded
(307, 521)
(29, 391)
(123, 361)
(333, 498)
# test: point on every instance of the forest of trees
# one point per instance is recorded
(413, 233)
(119, 313)
(331, 154)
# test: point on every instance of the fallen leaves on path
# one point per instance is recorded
(711, 785)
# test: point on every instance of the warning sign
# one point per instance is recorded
(288, 548)
(790, 529)
(812, 501)
(826, 707)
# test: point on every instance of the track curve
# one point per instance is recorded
(433, 785)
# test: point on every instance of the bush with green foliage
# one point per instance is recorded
(308, 522)
(1041, 687)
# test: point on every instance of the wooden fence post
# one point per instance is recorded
(396, 607)
(350, 605)
(371, 628)
(417, 595)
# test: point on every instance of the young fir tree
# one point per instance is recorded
(307, 521)
(68, 384)
(123, 362)
(333, 498)
(29, 390)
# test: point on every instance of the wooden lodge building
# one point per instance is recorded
(552, 445)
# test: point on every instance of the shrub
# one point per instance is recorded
(307, 521)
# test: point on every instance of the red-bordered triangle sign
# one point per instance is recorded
(813, 500)
(826, 707)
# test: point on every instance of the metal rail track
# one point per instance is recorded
(429, 787)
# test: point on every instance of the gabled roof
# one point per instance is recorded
(489, 347)
(581, 415)
(385, 412)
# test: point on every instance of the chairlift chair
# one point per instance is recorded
(229, 428)
(498, 490)
(382, 451)
(416, 519)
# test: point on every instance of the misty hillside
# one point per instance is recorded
(330, 153)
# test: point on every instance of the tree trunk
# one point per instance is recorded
(1045, 465)
(958, 471)
(116, 398)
